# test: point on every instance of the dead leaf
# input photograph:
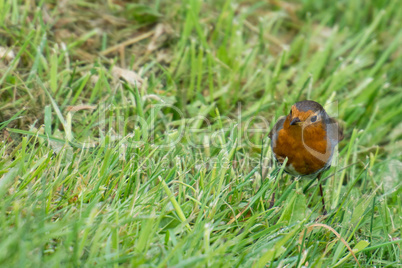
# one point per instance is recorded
(130, 76)
(159, 30)
(7, 54)
(163, 56)
(6, 136)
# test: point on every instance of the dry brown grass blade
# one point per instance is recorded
(239, 214)
(290, 8)
(80, 107)
(128, 42)
(337, 235)
(274, 40)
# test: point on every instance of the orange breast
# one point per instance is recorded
(306, 148)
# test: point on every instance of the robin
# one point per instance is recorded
(307, 137)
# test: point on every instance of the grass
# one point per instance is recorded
(136, 134)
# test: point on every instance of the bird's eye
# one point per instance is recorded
(313, 119)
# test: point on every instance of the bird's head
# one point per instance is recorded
(304, 113)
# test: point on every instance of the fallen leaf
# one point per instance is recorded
(130, 76)
(6, 54)
(159, 30)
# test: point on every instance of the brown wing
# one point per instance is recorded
(278, 126)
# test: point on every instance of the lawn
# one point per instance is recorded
(136, 134)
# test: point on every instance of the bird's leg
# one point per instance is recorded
(272, 202)
(324, 211)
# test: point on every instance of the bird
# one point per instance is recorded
(307, 137)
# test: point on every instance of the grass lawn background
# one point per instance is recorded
(136, 133)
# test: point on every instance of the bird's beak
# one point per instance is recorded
(295, 121)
